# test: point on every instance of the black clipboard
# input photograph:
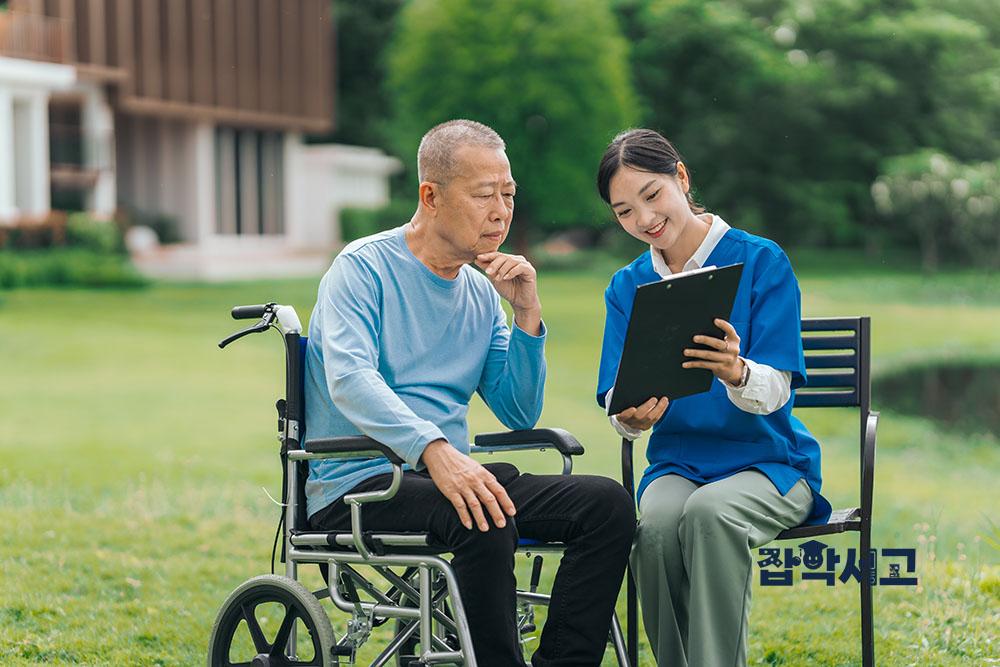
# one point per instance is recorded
(666, 316)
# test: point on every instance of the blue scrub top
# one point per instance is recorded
(704, 437)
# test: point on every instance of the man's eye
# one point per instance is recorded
(483, 196)
(652, 196)
(508, 195)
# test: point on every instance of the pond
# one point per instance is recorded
(962, 397)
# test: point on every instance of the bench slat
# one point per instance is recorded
(831, 361)
(824, 380)
(825, 399)
(830, 342)
(840, 520)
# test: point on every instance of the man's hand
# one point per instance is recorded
(515, 280)
(468, 485)
(644, 416)
(724, 357)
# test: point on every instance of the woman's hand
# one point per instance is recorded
(724, 357)
(645, 415)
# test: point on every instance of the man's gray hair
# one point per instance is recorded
(436, 155)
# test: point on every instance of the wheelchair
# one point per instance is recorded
(412, 583)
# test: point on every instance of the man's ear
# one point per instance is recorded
(430, 195)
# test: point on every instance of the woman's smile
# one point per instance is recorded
(657, 230)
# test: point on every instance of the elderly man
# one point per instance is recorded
(403, 333)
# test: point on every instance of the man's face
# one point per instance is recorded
(476, 206)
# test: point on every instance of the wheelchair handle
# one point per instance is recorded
(287, 320)
(251, 312)
(263, 325)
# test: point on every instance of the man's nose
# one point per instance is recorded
(498, 208)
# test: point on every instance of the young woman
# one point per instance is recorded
(730, 468)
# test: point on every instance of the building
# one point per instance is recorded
(188, 111)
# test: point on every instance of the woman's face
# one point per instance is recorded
(651, 207)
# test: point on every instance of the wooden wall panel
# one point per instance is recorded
(150, 51)
(247, 65)
(268, 55)
(224, 26)
(310, 29)
(80, 32)
(178, 51)
(125, 46)
(290, 56)
(201, 52)
(96, 37)
(250, 63)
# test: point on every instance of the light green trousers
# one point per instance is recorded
(693, 565)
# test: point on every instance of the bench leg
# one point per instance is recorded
(867, 627)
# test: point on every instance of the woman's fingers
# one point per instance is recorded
(661, 407)
(645, 415)
(708, 355)
(642, 412)
(727, 328)
(716, 343)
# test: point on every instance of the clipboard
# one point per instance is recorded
(666, 316)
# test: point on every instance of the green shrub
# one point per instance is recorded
(356, 223)
(67, 266)
(100, 236)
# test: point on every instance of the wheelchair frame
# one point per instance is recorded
(418, 599)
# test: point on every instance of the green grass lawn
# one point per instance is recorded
(134, 455)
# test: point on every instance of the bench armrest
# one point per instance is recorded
(527, 439)
(868, 465)
(350, 446)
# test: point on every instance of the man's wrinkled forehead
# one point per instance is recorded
(482, 167)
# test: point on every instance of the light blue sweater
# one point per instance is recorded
(395, 352)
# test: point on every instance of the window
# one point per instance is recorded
(249, 182)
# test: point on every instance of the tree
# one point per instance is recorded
(786, 108)
(551, 76)
(944, 204)
(363, 30)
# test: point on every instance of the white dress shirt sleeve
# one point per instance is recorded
(767, 389)
(624, 431)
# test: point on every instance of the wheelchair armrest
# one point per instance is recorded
(351, 446)
(536, 438)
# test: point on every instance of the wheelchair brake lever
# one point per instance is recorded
(263, 325)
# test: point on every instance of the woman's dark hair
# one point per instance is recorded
(644, 150)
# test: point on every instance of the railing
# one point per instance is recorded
(35, 37)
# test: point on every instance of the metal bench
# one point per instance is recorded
(838, 364)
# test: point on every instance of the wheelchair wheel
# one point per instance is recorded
(254, 624)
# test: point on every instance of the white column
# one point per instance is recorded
(296, 186)
(38, 152)
(204, 181)
(7, 208)
(99, 147)
(249, 218)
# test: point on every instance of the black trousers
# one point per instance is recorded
(593, 516)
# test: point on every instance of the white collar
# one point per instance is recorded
(715, 233)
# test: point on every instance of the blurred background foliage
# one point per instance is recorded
(792, 114)
(551, 76)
